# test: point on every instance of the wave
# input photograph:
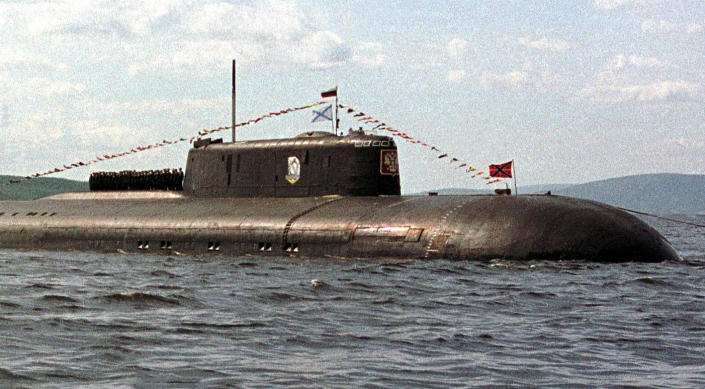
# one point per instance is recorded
(58, 298)
(163, 273)
(254, 324)
(139, 298)
(8, 375)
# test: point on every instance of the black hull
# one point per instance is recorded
(404, 227)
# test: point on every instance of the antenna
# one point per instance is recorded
(233, 103)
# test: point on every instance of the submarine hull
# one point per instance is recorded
(404, 227)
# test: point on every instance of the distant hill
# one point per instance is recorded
(38, 187)
(658, 193)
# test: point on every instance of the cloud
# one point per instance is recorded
(621, 61)
(319, 50)
(513, 80)
(666, 27)
(695, 28)
(169, 106)
(613, 4)
(457, 47)
(526, 78)
(275, 31)
(456, 76)
(681, 147)
(688, 143)
(4, 116)
(14, 55)
(369, 54)
(544, 44)
(49, 88)
(93, 19)
(661, 91)
(17, 90)
(180, 33)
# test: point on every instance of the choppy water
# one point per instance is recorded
(110, 320)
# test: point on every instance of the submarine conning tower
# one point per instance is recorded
(311, 164)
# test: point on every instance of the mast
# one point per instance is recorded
(337, 120)
(233, 103)
(514, 176)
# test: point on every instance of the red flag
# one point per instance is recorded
(503, 170)
(330, 93)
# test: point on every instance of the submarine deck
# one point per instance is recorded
(454, 227)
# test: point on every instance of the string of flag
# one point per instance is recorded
(359, 115)
(153, 146)
(457, 162)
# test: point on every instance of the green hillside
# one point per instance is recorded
(660, 193)
(38, 187)
(663, 193)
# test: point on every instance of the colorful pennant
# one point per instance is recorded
(153, 146)
(368, 119)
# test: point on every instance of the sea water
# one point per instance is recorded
(96, 320)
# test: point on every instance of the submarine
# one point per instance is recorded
(320, 194)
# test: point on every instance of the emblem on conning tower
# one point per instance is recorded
(388, 164)
(293, 172)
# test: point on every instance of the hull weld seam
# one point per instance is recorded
(287, 228)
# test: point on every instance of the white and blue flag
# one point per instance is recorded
(323, 114)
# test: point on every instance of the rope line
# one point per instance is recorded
(153, 146)
(379, 125)
(362, 117)
(670, 219)
(367, 119)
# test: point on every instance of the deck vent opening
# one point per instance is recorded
(2, 213)
(162, 245)
(52, 214)
(168, 245)
(44, 213)
(291, 247)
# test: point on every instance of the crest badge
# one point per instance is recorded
(293, 171)
(388, 164)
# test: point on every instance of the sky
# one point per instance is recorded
(572, 91)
